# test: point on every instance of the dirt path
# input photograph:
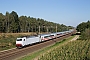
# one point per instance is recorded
(75, 38)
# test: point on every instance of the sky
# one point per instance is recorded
(67, 12)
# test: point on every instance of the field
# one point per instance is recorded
(8, 40)
(76, 50)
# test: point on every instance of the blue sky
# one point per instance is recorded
(68, 12)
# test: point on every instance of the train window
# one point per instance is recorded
(51, 35)
(19, 39)
(58, 34)
(46, 36)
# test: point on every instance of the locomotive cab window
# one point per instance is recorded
(19, 39)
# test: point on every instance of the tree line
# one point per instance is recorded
(12, 23)
(84, 28)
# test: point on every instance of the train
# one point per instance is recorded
(28, 40)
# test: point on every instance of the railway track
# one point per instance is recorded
(7, 51)
(15, 53)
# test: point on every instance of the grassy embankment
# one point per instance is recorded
(36, 54)
(8, 40)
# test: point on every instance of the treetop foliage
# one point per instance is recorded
(10, 22)
(82, 26)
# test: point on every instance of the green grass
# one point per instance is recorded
(42, 51)
(8, 41)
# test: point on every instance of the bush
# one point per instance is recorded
(85, 35)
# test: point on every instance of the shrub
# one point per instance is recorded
(85, 35)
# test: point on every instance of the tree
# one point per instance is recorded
(23, 23)
(14, 22)
(85, 35)
(2, 23)
(7, 21)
